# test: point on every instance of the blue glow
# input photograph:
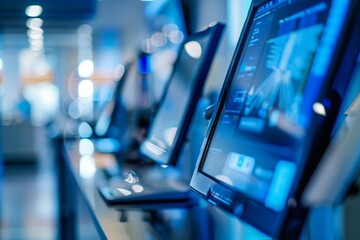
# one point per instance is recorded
(144, 64)
(327, 103)
(280, 186)
(109, 145)
(85, 130)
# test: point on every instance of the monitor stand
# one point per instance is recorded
(146, 184)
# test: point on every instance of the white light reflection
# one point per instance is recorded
(87, 167)
(319, 109)
(85, 29)
(38, 54)
(35, 33)
(225, 179)
(86, 88)
(158, 39)
(37, 48)
(1, 64)
(85, 44)
(147, 46)
(123, 191)
(33, 10)
(131, 177)
(119, 71)
(176, 37)
(34, 23)
(85, 108)
(274, 118)
(43, 68)
(86, 147)
(212, 24)
(137, 188)
(169, 135)
(154, 149)
(73, 110)
(86, 68)
(85, 130)
(193, 48)
(36, 42)
(168, 29)
(164, 166)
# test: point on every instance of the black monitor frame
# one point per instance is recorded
(335, 177)
(214, 30)
(117, 96)
(288, 222)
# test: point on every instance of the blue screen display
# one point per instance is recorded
(262, 130)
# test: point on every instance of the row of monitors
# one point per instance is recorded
(276, 111)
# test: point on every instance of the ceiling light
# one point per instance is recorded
(34, 23)
(37, 48)
(35, 33)
(86, 147)
(33, 10)
(87, 168)
(86, 68)
(37, 42)
(86, 88)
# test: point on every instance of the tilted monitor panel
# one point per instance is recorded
(275, 113)
(171, 123)
(114, 115)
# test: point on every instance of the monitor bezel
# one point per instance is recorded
(295, 213)
(117, 95)
(214, 30)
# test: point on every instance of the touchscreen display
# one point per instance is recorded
(260, 134)
(169, 117)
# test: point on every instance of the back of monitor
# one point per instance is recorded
(340, 165)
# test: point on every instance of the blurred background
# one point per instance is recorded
(60, 62)
(46, 57)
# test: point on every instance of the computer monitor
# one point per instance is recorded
(276, 111)
(171, 123)
(168, 129)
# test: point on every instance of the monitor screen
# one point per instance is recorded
(183, 91)
(272, 107)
